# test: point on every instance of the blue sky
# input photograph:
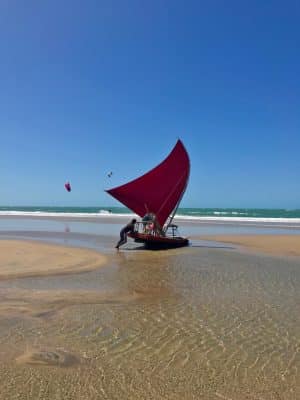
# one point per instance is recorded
(97, 86)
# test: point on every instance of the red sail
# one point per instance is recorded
(159, 190)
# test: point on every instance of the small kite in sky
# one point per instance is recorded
(68, 186)
(109, 174)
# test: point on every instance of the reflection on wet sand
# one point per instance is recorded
(186, 324)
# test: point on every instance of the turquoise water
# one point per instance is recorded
(192, 212)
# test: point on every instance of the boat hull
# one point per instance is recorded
(156, 242)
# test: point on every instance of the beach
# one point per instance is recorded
(26, 258)
(129, 129)
(281, 245)
(216, 320)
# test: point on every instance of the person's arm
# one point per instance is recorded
(133, 228)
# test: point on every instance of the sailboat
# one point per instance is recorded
(155, 197)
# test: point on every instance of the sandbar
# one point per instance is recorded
(20, 258)
(284, 245)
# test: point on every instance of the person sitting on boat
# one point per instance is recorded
(147, 221)
(151, 225)
(129, 228)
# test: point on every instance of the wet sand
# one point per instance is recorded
(288, 245)
(202, 322)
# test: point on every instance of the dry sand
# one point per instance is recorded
(287, 245)
(28, 258)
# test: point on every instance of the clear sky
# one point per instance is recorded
(89, 87)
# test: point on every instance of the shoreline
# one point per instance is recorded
(280, 245)
(33, 258)
(183, 219)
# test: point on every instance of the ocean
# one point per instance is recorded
(217, 214)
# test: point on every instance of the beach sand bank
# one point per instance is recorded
(286, 245)
(189, 323)
(28, 258)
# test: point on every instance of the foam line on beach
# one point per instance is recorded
(60, 214)
(293, 222)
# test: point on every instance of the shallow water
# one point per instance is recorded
(201, 322)
(111, 226)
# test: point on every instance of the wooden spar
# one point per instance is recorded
(177, 205)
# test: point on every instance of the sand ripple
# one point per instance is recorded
(58, 358)
(213, 325)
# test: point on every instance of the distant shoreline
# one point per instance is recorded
(187, 219)
(192, 213)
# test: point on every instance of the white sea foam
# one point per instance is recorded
(287, 222)
(106, 214)
(60, 214)
(250, 219)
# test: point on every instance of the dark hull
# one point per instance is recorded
(156, 242)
